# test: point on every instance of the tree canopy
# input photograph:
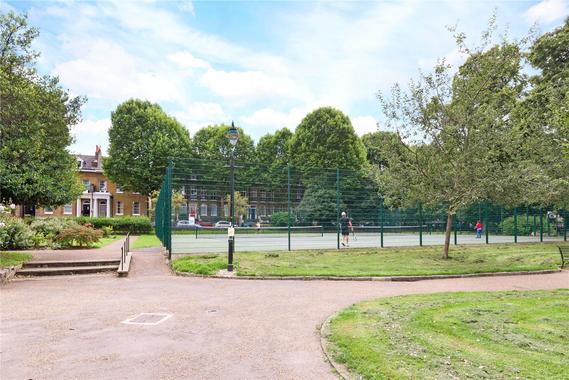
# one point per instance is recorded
(456, 130)
(142, 139)
(211, 143)
(326, 138)
(36, 167)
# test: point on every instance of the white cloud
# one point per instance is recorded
(92, 127)
(364, 124)
(252, 85)
(200, 114)
(103, 69)
(186, 60)
(89, 133)
(547, 11)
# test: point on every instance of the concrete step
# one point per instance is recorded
(74, 263)
(58, 271)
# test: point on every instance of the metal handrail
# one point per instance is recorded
(125, 249)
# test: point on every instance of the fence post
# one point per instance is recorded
(486, 221)
(541, 224)
(381, 213)
(420, 225)
(565, 224)
(515, 225)
(455, 227)
(338, 208)
(289, 206)
(168, 211)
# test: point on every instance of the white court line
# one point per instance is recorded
(165, 317)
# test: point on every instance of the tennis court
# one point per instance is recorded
(316, 237)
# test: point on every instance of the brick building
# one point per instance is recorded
(101, 197)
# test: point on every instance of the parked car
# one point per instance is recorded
(186, 224)
(249, 223)
(204, 223)
(223, 223)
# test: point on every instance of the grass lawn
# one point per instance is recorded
(485, 335)
(106, 241)
(7, 259)
(203, 264)
(145, 241)
(390, 261)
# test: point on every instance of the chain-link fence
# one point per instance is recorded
(287, 208)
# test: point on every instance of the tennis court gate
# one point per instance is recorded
(280, 207)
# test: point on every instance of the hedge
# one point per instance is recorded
(132, 224)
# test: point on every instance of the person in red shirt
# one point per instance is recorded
(478, 230)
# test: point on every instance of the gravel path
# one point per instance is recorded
(70, 327)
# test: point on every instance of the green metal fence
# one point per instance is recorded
(287, 208)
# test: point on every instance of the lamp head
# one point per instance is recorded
(232, 135)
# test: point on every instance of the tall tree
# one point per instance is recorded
(142, 139)
(36, 167)
(326, 138)
(456, 129)
(542, 120)
(211, 143)
(274, 149)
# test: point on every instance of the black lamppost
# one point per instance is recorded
(233, 136)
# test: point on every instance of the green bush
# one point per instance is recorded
(279, 219)
(50, 227)
(523, 229)
(15, 234)
(107, 231)
(132, 224)
(76, 234)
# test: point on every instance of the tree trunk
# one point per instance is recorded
(447, 234)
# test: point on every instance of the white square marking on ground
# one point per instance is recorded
(148, 319)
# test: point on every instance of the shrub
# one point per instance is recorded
(76, 234)
(135, 225)
(107, 231)
(279, 219)
(523, 228)
(50, 227)
(15, 234)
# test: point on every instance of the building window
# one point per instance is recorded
(103, 186)
(203, 209)
(67, 209)
(86, 184)
(213, 210)
(226, 210)
(253, 195)
(119, 190)
(263, 195)
(120, 208)
(193, 177)
(48, 210)
(135, 208)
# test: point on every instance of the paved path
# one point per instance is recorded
(70, 327)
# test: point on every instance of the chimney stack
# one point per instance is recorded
(97, 161)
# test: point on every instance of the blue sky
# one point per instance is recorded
(263, 64)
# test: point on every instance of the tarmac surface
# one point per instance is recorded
(208, 243)
(70, 327)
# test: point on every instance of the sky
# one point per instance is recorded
(264, 65)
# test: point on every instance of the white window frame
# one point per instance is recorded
(86, 184)
(120, 210)
(118, 189)
(213, 210)
(203, 209)
(45, 210)
(70, 209)
(133, 209)
(103, 189)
